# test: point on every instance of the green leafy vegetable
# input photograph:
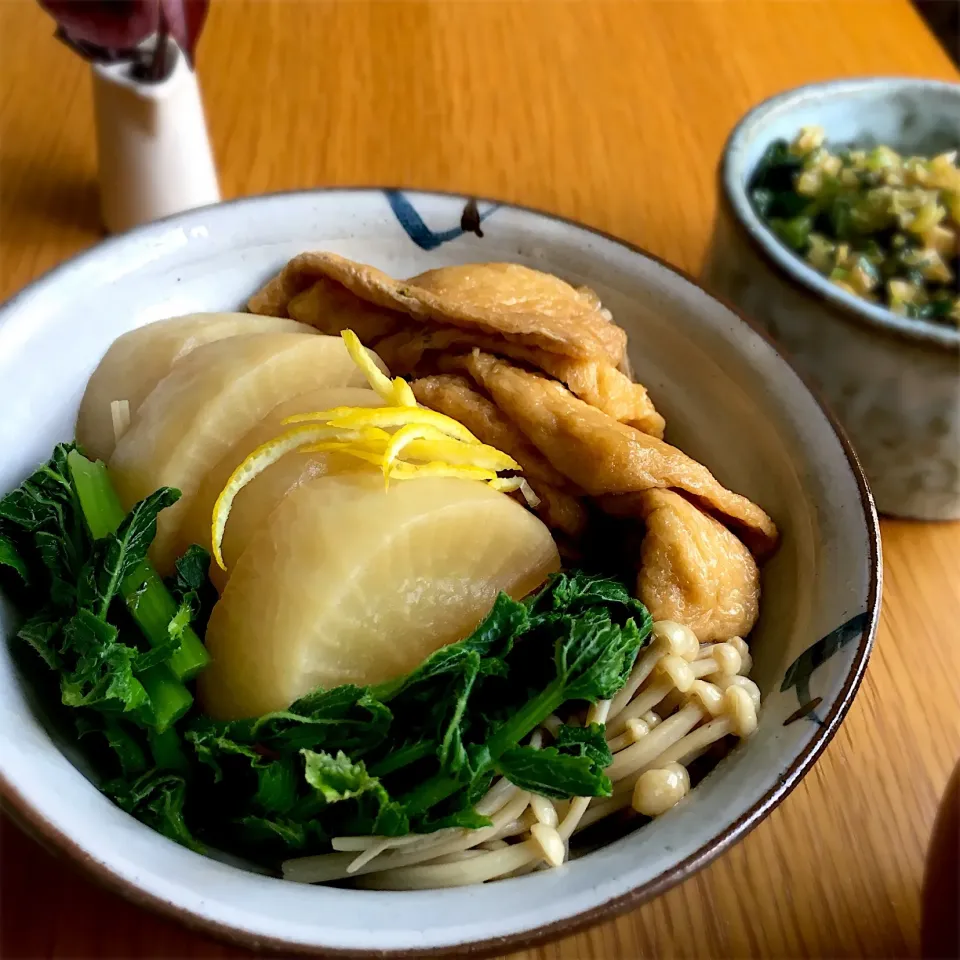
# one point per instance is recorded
(592, 656)
(336, 778)
(416, 753)
(192, 569)
(272, 833)
(573, 766)
(157, 799)
(78, 552)
(191, 586)
(103, 673)
(589, 741)
(127, 548)
(118, 737)
(794, 232)
(277, 786)
(41, 631)
(10, 558)
(554, 774)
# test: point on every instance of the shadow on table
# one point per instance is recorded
(943, 18)
(49, 910)
(34, 199)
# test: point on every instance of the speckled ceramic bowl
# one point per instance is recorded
(894, 383)
(730, 400)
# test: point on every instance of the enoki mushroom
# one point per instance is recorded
(682, 696)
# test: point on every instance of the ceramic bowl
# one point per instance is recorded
(730, 400)
(894, 383)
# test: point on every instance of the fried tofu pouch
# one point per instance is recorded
(505, 309)
(508, 300)
(602, 456)
(693, 570)
(596, 382)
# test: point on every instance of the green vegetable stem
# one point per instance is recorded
(67, 539)
(144, 593)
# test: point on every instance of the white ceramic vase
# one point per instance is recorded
(153, 149)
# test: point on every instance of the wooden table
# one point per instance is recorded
(613, 113)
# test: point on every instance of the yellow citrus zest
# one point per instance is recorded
(398, 441)
(423, 442)
(410, 471)
(388, 418)
(389, 437)
(349, 449)
(255, 463)
(323, 416)
(395, 392)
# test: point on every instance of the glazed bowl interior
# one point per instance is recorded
(914, 117)
(730, 401)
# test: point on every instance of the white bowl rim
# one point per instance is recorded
(731, 167)
(56, 840)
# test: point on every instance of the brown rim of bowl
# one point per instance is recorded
(618, 905)
(733, 199)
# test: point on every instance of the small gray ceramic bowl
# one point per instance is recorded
(730, 401)
(893, 383)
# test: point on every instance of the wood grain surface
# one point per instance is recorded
(613, 113)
